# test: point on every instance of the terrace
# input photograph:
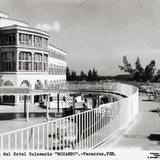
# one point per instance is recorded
(83, 130)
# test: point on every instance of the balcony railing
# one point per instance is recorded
(36, 45)
(84, 130)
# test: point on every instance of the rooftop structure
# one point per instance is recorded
(4, 15)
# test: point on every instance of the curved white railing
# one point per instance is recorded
(84, 130)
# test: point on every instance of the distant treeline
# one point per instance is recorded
(91, 75)
(149, 73)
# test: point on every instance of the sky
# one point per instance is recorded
(95, 33)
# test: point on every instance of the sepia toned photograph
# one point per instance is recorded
(80, 78)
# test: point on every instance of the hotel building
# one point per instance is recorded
(27, 59)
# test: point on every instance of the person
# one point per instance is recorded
(84, 106)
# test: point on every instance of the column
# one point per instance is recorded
(42, 42)
(17, 58)
(32, 99)
(32, 40)
(88, 104)
(16, 100)
(17, 38)
(32, 61)
(26, 107)
(42, 62)
(1, 97)
(27, 110)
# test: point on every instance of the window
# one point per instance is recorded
(25, 83)
(8, 39)
(25, 61)
(45, 62)
(46, 85)
(38, 62)
(25, 39)
(57, 55)
(7, 61)
(8, 83)
(38, 85)
(37, 41)
(21, 98)
(8, 99)
(57, 70)
(45, 42)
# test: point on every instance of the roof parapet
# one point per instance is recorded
(4, 15)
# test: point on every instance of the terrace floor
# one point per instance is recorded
(134, 137)
(14, 121)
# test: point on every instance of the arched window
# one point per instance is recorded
(38, 85)
(8, 83)
(51, 84)
(26, 83)
(46, 85)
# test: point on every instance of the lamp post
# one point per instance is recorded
(48, 105)
(73, 109)
(98, 100)
(26, 108)
(58, 103)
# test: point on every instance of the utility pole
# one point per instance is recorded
(73, 104)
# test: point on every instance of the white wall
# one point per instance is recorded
(18, 79)
(55, 61)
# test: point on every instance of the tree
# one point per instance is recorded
(149, 71)
(158, 72)
(157, 76)
(126, 67)
(139, 71)
(73, 76)
(82, 76)
(94, 75)
(89, 76)
(68, 76)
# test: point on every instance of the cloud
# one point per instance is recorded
(55, 27)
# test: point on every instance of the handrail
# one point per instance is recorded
(85, 127)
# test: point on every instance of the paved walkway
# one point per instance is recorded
(135, 136)
(11, 125)
(17, 123)
(20, 109)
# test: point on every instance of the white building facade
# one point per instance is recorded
(27, 59)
